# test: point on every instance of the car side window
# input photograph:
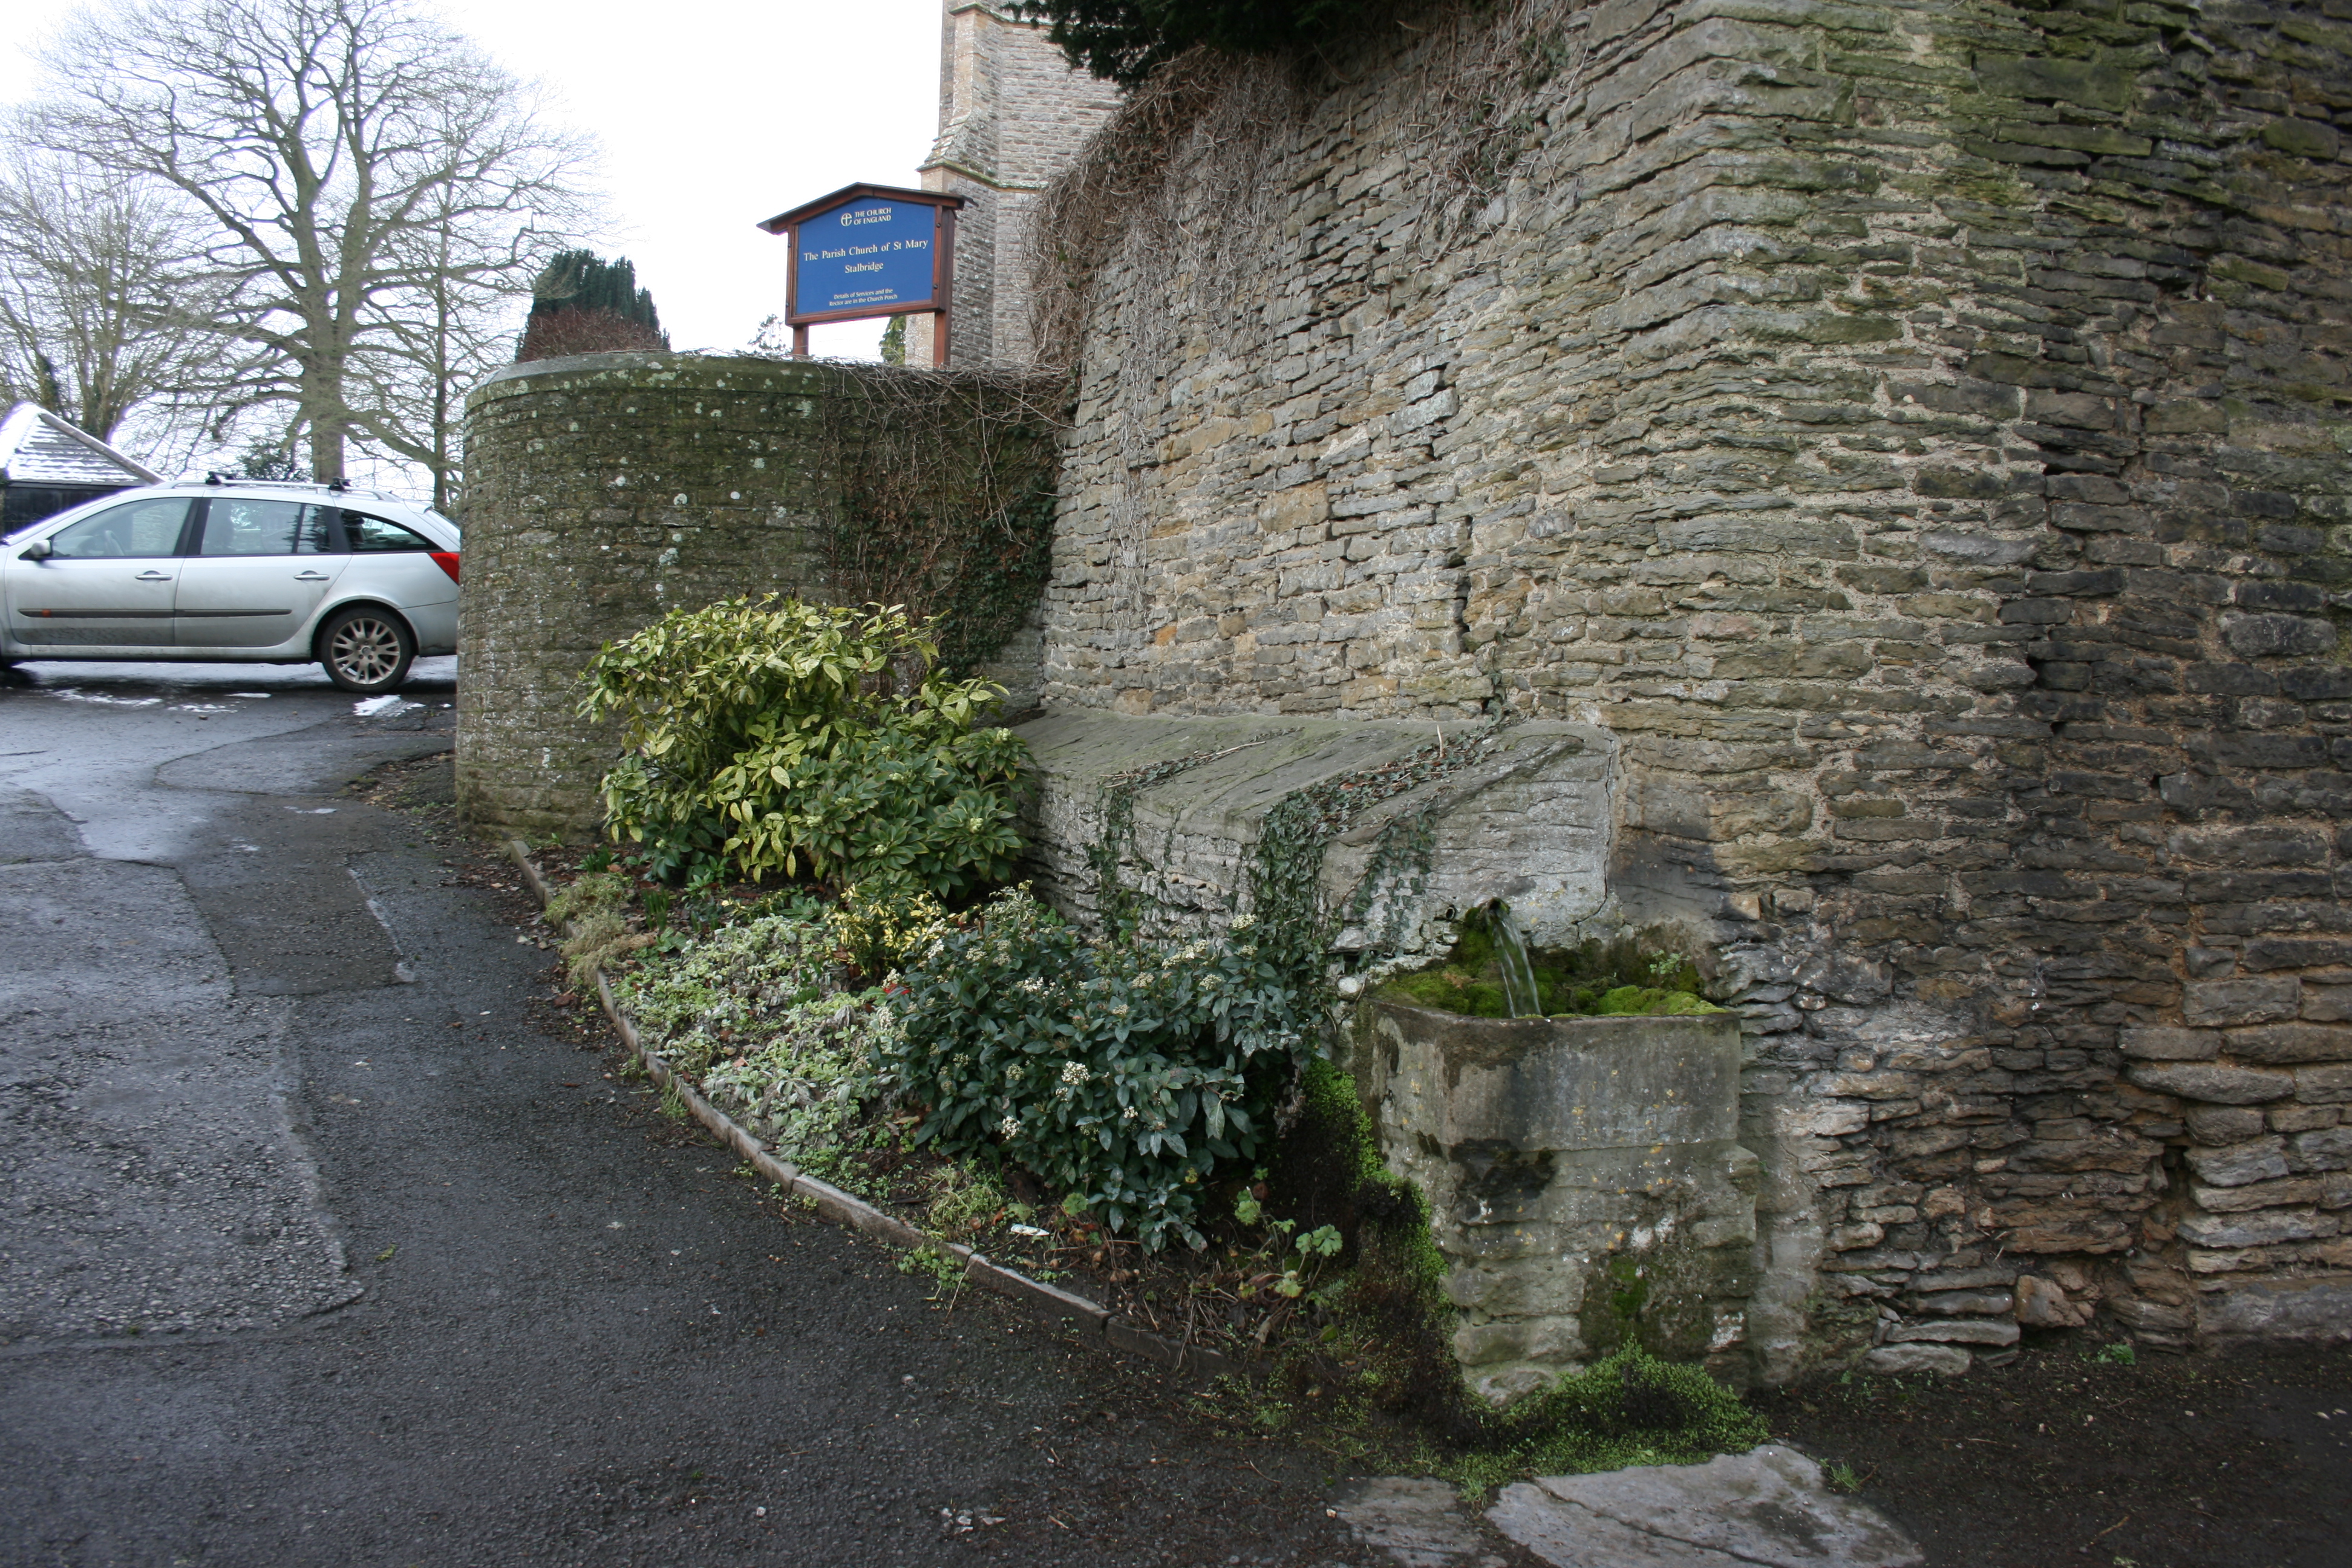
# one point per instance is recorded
(374, 535)
(138, 529)
(238, 526)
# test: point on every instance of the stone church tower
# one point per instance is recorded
(1013, 114)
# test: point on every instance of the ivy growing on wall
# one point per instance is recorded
(1115, 802)
(943, 499)
(1286, 867)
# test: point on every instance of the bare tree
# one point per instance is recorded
(445, 332)
(98, 298)
(364, 171)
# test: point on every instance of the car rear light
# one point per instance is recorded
(447, 561)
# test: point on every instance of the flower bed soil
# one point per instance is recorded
(1222, 1298)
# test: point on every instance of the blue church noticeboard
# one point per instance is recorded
(869, 250)
(872, 255)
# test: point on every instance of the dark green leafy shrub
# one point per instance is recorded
(776, 736)
(1122, 1072)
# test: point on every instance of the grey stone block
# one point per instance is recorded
(1765, 1506)
(1528, 820)
(2313, 1309)
(1570, 1164)
(2208, 1003)
(1944, 1361)
(1954, 1332)
(2217, 1085)
(2257, 1160)
(2151, 1043)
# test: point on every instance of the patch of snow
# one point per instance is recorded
(72, 694)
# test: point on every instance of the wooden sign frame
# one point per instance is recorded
(938, 306)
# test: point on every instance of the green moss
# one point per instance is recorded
(1651, 1001)
(1627, 1289)
(1639, 976)
(1386, 1341)
(1380, 1385)
(1391, 1214)
(1630, 1409)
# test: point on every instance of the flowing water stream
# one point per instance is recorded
(1520, 991)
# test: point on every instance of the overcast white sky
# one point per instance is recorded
(712, 116)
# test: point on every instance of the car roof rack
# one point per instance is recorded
(332, 487)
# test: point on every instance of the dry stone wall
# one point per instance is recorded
(603, 490)
(1916, 434)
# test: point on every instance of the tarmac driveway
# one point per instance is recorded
(318, 1249)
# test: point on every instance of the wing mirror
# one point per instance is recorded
(37, 550)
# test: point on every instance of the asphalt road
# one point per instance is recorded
(319, 1249)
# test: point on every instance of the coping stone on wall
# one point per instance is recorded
(1529, 820)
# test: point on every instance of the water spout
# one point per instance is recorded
(1520, 991)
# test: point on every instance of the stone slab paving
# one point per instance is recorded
(1768, 1507)
(1416, 1522)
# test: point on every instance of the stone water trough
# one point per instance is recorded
(1584, 1178)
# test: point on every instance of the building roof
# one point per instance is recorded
(36, 448)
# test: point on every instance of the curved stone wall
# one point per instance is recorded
(602, 491)
(1915, 433)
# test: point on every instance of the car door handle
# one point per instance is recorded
(310, 576)
(154, 578)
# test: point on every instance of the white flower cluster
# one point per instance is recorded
(1075, 1072)
(1009, 1127)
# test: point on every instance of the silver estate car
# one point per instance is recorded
(248, 571)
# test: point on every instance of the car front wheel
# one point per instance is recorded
(366, 650)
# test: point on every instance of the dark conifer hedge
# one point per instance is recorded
(584, 304)
(1125, 40)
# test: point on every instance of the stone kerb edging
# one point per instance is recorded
(1094, 1323)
